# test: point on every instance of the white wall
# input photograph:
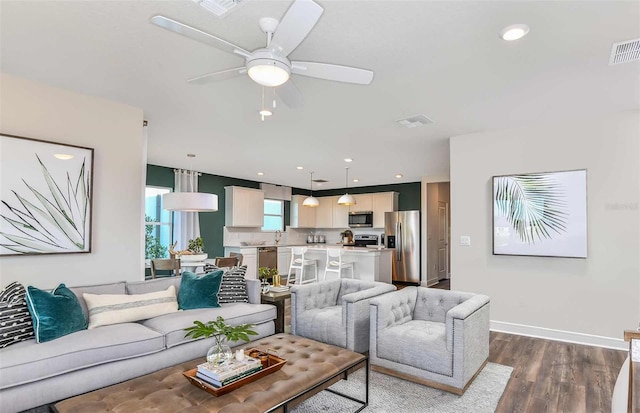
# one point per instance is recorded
(570, 299)
(115, 132)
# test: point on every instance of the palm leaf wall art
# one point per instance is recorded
(540, 214)
(46, 201)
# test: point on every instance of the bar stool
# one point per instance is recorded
(298, 262)
(335, 263)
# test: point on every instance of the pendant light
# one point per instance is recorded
(190, 201)
(346, 199)
(311, 201)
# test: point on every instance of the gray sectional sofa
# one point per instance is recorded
(34, 374)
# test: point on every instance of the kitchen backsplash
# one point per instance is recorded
(233, 236)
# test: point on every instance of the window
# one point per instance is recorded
(273, 215)
(157, 234)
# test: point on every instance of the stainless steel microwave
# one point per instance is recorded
(360, 219)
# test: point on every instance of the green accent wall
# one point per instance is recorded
(212, 223)
(409, 194)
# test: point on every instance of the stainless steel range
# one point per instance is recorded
(364, 240)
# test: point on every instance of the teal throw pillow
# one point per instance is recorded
(199, 291)
(54, 314)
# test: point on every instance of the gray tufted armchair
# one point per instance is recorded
(335, 312)
(435, 337)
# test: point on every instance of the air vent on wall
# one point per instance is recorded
(624, 52)
(414, 121)
(219, 7)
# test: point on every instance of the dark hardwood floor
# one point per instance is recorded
(551, 376)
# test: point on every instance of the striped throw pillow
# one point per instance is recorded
(106, 309)
(234, 286)
(15, 319)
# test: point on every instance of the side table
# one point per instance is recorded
(277, 299)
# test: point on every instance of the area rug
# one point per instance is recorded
(389, 394)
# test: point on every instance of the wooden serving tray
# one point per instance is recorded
(275, 363)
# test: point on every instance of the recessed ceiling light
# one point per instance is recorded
(265, 112)
(356, 180)
(260, 173)
(63, 156)
(514, 32)
(348, 160)
(318, 183)
(398, 175)
(299, 167)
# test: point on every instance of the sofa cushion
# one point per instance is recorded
(150, 286)
(29, 362)
(54, 314)
(233, 288)
(112, 288)
(15, 320)
(399, 344)
(173, 325)
(322, 324)
(199, 291)
(106, 309)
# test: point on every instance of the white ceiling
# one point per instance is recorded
(440, 58)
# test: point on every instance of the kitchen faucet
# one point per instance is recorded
(278, 236)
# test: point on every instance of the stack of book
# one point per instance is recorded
(228, 373)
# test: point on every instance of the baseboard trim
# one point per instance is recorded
(559, 335)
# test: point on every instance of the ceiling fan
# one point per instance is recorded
(269, 66)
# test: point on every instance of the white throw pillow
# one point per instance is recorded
(106, 309)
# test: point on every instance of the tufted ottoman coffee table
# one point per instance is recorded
(311, 367)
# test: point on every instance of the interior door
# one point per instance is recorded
(443, 240)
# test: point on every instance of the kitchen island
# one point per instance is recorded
(369, 264)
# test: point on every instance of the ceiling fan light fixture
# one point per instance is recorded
(268, 72)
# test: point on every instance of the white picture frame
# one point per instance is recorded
(46, 197)
(540, 214)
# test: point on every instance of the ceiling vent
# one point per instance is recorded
(624, 52)
(219, 7)
(415, 121)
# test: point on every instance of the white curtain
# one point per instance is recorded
(186, 225)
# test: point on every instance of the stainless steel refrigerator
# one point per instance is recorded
(402, 232)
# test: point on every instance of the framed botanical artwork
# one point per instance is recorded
(541, 214)
(45, 193)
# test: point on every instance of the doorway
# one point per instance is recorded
(438, 231)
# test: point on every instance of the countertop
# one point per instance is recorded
(314, 246)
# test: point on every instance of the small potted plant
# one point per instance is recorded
(266, 273)
(194, 251)
(220, 353)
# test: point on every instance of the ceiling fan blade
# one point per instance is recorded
(199, 35)
(296, 25)
(215, 76)
(290, 95)
(328, 71)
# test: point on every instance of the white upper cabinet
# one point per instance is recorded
(302, 216)
(324, 212)
(383, 202)
(364, 202)
(244, 207)
(340, 215)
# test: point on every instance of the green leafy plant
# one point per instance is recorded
(266, 272)
(196, 245)
(221, 331)
(57, 222)
(152, 246)
(534, 205)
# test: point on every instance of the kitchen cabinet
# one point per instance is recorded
(324, 212)
(364, 202)
(383, 202)
(284, 259)
(244, 207)
(340, 215)
(249, 258)
(302, 216)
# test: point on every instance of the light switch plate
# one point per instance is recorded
(465, 240)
